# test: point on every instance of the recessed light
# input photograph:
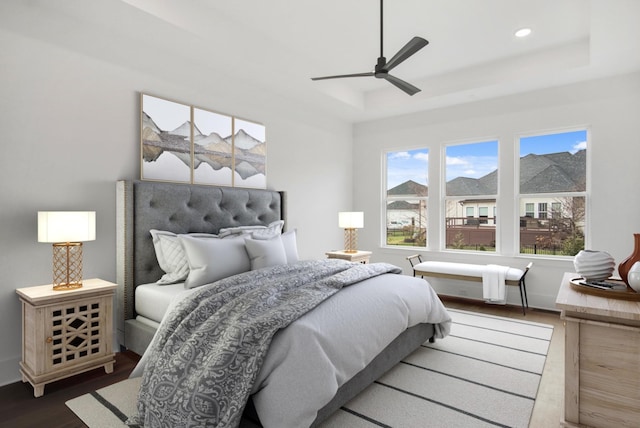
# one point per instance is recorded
(523, 32)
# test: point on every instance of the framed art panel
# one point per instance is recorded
(165, 135)
(212, 148)
(250, 154)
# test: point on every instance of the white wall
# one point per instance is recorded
(70, 130)
(610, 108)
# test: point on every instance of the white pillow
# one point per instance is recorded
(266, 252)
(289, 242)
(213, 259)
(264, 232)
(171, 256)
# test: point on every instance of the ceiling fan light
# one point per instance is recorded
(523, 32)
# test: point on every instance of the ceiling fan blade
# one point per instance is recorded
(407, 87)
(340, 76)
(409, 49)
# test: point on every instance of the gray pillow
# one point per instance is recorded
(274, 228)
(265, 252)
(213, 259)
(171, 256)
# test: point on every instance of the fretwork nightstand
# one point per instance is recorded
(66, 332)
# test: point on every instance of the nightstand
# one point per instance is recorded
(66, 332)
(358, 256)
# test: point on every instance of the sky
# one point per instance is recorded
(475, 160)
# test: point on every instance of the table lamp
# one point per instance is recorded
(67, 230)
(350, 221)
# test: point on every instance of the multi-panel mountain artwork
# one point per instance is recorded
(217, 155)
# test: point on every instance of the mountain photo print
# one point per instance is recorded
(212, 148)
(165, 139)
(250, 154)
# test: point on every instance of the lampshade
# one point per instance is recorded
(66, 226)
(67, 230)
(351, 220)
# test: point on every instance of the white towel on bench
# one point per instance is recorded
(493, 283)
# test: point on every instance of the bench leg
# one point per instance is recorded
(523, 296)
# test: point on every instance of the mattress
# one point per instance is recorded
(152, 300)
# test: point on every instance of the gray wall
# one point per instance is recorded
(610, 108)
(70, 128)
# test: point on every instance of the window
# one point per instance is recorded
(528, 210)
(406, 197)
(542, 210)
(553, 173)
(471, 172)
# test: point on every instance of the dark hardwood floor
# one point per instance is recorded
(20, 409)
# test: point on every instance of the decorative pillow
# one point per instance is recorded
(266, 252)
(171, 256)
(264, 232)
(213, 259)
(289, 242)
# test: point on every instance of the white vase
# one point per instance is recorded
(634, 277)
(594, 265)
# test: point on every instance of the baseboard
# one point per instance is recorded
(9, 371)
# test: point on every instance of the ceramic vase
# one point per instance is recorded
(623, 267)
(633, 277)
(594, 265)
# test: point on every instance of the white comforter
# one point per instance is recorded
(314, 356)
(310, 359)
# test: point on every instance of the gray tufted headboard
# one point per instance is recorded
(179, 208)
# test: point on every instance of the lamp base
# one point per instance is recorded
(67, 266)
(63, 287)
(350, 241)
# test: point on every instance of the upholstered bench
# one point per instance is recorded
(468, 272)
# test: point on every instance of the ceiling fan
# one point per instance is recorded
(383, 67)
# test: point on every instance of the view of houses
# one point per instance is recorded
(552, 216)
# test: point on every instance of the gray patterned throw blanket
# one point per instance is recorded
(202, 364)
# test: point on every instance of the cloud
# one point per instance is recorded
(422, 156)
(579, 146)
(456, 161)
(400, 155)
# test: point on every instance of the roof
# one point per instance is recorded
(548, 173)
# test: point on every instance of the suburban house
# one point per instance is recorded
(72, 72)
(471, 218)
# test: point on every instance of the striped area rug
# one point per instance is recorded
(484, 374)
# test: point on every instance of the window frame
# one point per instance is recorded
(551, 197)
(423, 201)
(479, 199)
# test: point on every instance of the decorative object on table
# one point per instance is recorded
(594, 265)
(624, 266)
(610, 289)
(633, 277)
(350, 221)
(67, 230)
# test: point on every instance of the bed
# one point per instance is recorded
(143, 206)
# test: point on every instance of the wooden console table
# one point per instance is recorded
(602, 359)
